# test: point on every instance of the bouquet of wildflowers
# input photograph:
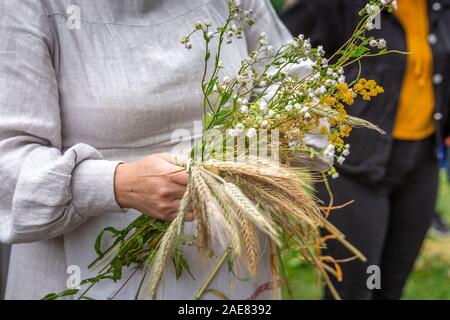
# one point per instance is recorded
(253, 169)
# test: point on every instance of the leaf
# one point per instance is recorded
(98, 243)
(210, 87)
(178, 268)
(54, 296)
(277, 63)
(226, 97)
(50, 296)
(68, 292)
(218, 294)
(140, 240)
(221, 116)
(98, 240)
(359, 52)
(181, 264)
(185, 266)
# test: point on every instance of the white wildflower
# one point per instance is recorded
(244, 108)
(251, 132)
(329, 151)
(233, 132)
(262, 104)
(320, 90)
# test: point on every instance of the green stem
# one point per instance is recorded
(213, 274)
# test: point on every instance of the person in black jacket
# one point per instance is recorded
(393, 178)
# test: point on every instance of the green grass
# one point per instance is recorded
(430, 279)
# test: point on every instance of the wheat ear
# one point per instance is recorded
(262, 221)
(167, 244)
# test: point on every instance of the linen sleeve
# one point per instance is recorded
(44, 192)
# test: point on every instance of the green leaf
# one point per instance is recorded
(181, 264)
(140, 240)
(211, 85)
(98, 243)
(68, 292)
(178, 268)
(359, 52)
(185, 266)
(226, 97)
(55, 296)
(218, 294)
(221, 117)
(50, 296)
(98, 240)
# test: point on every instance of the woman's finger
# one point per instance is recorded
(174, 191)
(174, 206)
(178, 160)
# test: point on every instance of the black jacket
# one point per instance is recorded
(330, 23)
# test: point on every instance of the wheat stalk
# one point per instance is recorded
(251, 242)
(350, 120)
(262, 221)
(227, 208)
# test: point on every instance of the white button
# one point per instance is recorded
(437, 79)
(438, 116)
(432, 39)
(437, 6)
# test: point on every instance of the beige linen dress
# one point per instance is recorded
(77, 98)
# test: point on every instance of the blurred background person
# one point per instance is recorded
(438, 225)
(393, 178)
(447, 145)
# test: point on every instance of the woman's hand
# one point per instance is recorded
(153, 186)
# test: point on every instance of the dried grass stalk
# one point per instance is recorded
(165, 247)
(258, 218)
(235, 241)
(251, 242)
(350, 120)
